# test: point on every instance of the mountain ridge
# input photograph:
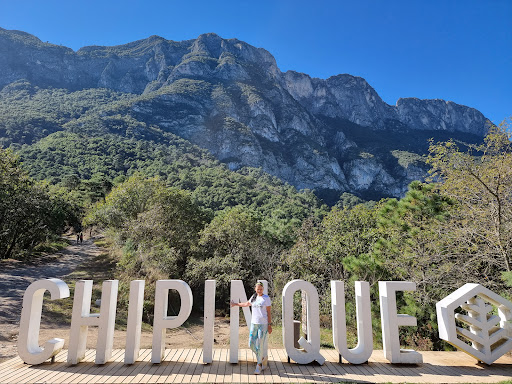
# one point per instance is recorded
(232, 99)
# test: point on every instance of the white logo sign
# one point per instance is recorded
(474, 329)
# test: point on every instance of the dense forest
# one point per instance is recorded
(172, 211)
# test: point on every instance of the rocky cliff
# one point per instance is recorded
(231, 98)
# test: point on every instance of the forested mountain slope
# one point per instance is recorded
(226, 96)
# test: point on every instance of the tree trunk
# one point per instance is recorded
(11, 247)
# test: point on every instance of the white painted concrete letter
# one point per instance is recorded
(312, 345)
(133, 328)
(364, 348)
(82, 318)
(209, 320)
(28, 341)
(161, 320)
(391, 321)
(238, 295)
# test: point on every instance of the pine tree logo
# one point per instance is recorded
(477, 321)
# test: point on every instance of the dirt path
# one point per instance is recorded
(14, 280)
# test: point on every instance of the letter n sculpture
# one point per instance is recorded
(467, 321)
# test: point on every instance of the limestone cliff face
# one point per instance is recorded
(343, 96)
(441, 115)
(231, 98)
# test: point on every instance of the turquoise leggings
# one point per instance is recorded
(258, 340)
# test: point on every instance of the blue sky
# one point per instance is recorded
(454, 50)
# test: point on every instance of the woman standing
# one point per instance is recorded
(260, 325)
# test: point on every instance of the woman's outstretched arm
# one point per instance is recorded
(247, 304)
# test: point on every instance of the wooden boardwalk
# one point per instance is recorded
(185, 366)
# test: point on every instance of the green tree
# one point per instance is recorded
(480, 181)
(233, 246)
(30, 213)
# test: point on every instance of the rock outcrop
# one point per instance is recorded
(231, 98)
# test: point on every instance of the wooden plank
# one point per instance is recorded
(281, 371)
(176, 375)
(293, 369)
(156, 370)
(194, 368)
(325, 369)
(212, 373)
(289, 367)
(244, 366)
(228, 368)
(185, 366)
(101, 370)
(339, 371)
(111, 369)
(271, 373)
(222, 366)
(24, 372)
(324, 372)
(380, 363)
(166, 366)
(89, 365)
(170, 376)
(145, 368)
(310, 372)
(380, 374)
(236, 369)
(203, 374)
(73, 371)
(51, 369)
(4, 365)
(437, 371)
(123, 371)
(198, 367)
(90, 374)
(207, 368)
(188, 365)
(345, 371)
(18, 369)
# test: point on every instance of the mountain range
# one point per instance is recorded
(330, 135)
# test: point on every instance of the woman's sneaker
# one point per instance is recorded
(257, 371)
(264, 363)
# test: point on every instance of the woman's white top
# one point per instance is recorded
(259, 309)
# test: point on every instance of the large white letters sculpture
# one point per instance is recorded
(134, 325)
(364, 348)
(28, 340)
(490, 335)
(391, 321)
(82, 318)
(161, 321)
(312, 344)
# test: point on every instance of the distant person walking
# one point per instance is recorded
(260, 325)
(77, 238)
(81, 237)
